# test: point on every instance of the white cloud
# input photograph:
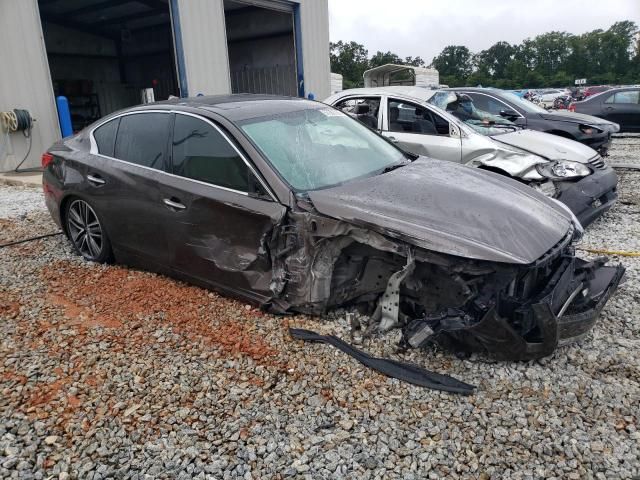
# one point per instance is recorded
(425, 27)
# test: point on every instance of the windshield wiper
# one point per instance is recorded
(500, 125)
(391, 168)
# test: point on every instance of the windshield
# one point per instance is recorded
(463, 108)
(318, 148)
(526, 105)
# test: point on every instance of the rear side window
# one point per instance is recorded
(105, 137)
(629, 96)
(142, 139)
(364, 109)
(202, 153)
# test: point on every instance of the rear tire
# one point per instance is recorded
(86, 231)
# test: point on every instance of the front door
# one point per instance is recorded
(419, 130)
(222, 213)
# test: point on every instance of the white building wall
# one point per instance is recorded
(314, 20)
(26, 82)
(205, 46)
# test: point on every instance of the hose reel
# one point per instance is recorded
(19, 120)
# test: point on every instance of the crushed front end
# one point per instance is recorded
(507, 311)
(524, 314)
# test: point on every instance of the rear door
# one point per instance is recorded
(131, 161)
(623, 108)
(417, 129)
(222, 212)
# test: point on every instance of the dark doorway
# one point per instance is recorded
(103, 53)
(261, 45)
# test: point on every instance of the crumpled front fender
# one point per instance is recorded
(513, 163)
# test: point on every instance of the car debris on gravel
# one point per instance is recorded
(110, 372)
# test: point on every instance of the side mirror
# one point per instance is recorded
(509, 113)
(454, 131)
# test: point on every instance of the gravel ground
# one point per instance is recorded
(107, 372)
(624, 149)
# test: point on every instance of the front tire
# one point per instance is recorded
(86, 232)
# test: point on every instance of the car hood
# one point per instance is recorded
(573, 117)
(551, 147)
(453, 209)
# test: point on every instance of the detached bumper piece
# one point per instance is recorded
(407, 372)
(562, 313)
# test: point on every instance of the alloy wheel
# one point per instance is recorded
(85, 230)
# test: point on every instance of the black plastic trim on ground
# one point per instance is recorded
(407, 372)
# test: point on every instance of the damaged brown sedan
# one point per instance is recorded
(297, 207)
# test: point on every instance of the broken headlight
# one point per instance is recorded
(562, 170)
(589, 129)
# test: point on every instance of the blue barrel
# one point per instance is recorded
(64, 116)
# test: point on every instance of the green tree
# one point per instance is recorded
(551, 51)
(496, 59)
(454, 61)
(350, 59)
(552, 59)
(414, 62)
(384, 58)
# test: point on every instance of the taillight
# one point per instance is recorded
(572, 107)
(47, 159)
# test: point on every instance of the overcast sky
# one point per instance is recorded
(425, 27)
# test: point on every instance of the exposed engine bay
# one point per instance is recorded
(507, 311)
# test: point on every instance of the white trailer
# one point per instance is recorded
(390, 74)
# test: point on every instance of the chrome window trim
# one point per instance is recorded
(497, 99)
(94, 151)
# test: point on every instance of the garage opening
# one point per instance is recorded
(262, 48)
(103, 54)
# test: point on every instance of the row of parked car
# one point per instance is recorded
(299, 207)
(553, 152)
(617, 104)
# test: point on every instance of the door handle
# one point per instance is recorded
(609, 108)
(172, 203)
(96, 180)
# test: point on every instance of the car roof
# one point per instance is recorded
(421, 93)
(476, 89)
(244, 106)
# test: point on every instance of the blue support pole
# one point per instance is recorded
(179, 49)
(298, 41)
(64, 116)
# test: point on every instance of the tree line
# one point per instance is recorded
(553, 59)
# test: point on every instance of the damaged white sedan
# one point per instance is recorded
(446, 125)
(297, 207)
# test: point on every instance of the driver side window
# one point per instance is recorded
(406, 117)
(488, 104)
(200, 152)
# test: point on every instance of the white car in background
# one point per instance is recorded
(446, 125)
(547, 97)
